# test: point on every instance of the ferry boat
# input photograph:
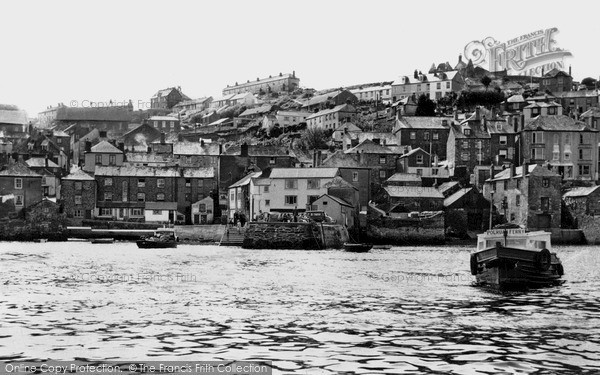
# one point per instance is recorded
(357, 247)
(163, 238)
(513, 258)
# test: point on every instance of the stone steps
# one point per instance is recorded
(233, 237)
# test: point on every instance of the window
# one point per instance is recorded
(18, 183)
(232, 197)
(78, 185)
(112, 159)
(172, 124)
(78, 213)
(382, 174)
(108, 197)
(448, 84)
(585, 154)
(141, 182)
(311, 199)
(354, 176)
(156, 212)
(78, 199)
(312, 183)
(108, 181)
(467, 131)
(465, 156)
(518, 183)
(584, 170)
(505, 183)
(160, 197)
(436, 136)
(502, 153)
(202, 207)
(419, 172)
(104, 211)
(124, 191)
(537, 153)
(382, 159)
(291, 184)
(465, 144)
(538, 137)
(551, 110)
(545, 203)
(426, 136)
(413, 135)
(266, 189)
(434, 171)
(478, 144)
(141, 197)
(18, 200)
(545, 182)
(272, 161)
(98, 159)
(419, 159)
(267, 202)
(291, 200)
(438, 85)
(188, 182)
(503, 140)
(518, 200)
(137, 212)
(160, 183)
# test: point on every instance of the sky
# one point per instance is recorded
(79, 52)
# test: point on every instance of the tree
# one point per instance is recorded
(589, 83)
(313, 138)
(486, 81)
(425, 106)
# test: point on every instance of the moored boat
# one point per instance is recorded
(357, 247)
(163, 238)
(512, 258)
(102, 240)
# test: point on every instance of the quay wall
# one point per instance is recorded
(406, 231)
(306, 236)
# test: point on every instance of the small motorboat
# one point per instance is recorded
(512, 258)
(357, 247)
(163, 238)
(382, 247)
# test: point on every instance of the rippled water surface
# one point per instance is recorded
(310, 312)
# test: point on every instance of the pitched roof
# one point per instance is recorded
(258, 150)
(580, 191)
(93, 114)
(505, 174)
(163, 118)
(161, 206)
(515, 99)
(18, 169)
(78, 175)
(348, 125)
(404, 177)
(245, 180)
(413, 191)
(447, 186)
(338, 181)
(592, 112)
(265, 108)
(422, 122)
(456, 196)
(135, 171)
(557, 123)
(145, 157)
(304, 172)
(580, 94)
(16, 117)
(414, 151)
(341, 159)
(40, 162)
(335, 199)
(369, 147)
(106, 148)
(337, 108)
(318, 99)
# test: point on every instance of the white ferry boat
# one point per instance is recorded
(512, 258)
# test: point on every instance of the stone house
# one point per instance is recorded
(165, 123)
(103, 154)
(334, 98)
(470, 201)
(469, 144)
(281, 83)
(168, 98)
(140, 138)
(556, 81)
(78, 190)
(428, 133)
(330, 119)
(411, 198)
(354, 173)
(582, 201)
(338, 209)
(22, 184)
(404, 179)
(381, 160)
(203, 211)
(591, 117)
(531, 199)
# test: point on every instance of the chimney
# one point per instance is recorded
(570, 70)
(244, 149)
(477, 114)
(512, 170)
(416, 75)
(46, 161)
(459, 58)
(88, 146)
(294, 73)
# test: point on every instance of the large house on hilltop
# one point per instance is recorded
(281, 83)
(168, 98)
(330, 119)
(435, 85)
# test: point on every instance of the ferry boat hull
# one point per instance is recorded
(513, 268)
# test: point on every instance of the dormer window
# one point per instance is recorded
(467, 131)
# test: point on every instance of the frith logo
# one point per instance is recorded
(530, 54)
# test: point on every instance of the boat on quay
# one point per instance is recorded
(357, 247)
(163, 238)
(513, 258)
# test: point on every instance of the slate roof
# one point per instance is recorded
(341, 159)
(258, 150)
(106, 148)
(338, 181)
(580, 191)
(336, 199)
(265, 108)
(557, 123)
(369, 147)
(413, 192)
(40, 162)
(456, 196)
(515, 99)
(304, 172)
(245, 180)
(505, 174)
(351, 127)
(337, 108)
(413, 151)
(404, 177)
(144, 157)
(18, 169)
(592, 112)
(136, 171)
(163, 118)
(422, 122)
(161, 206)
(93, 114)
(78, 175)
(318, 99)
(16, 117)
(580, 94)
(447, 186)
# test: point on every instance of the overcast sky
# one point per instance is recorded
(80, 51)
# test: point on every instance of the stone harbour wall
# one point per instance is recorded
(307, 236)
(410, 231)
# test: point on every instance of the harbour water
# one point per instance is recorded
(310, 312)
